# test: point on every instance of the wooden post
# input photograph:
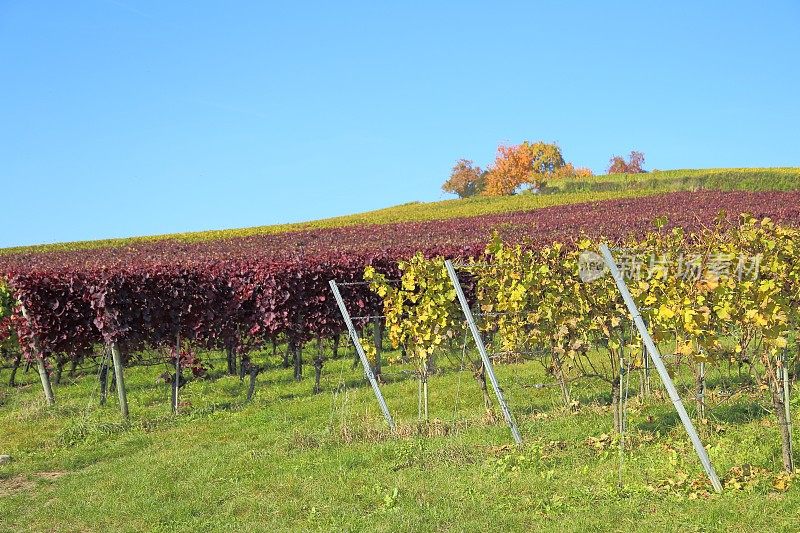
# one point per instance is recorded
(176, 385)
(254, 370)
(43, 376)
(104, 378)
(118, 369)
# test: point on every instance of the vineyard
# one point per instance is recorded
(719, 291)
(563, 192)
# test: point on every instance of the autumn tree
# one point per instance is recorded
(618, 165)
(524, 164)
(465, 179)
(571, 171)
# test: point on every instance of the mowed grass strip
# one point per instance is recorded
(291, 460)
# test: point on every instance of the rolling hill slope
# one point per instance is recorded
(562, 193)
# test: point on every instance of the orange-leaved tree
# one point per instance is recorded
(618, 165)
(571, 171)
(524, 164)
(465, 179)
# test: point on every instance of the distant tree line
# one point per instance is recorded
(529, 165)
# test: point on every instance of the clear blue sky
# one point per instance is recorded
(120, 117)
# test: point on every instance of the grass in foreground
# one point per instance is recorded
(294, 461)
(559, 193)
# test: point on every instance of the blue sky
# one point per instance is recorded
(122, 118)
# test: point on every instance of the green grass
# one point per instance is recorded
(723, 179)
(558, 193)
(291, 460)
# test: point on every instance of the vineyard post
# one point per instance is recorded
(177, 384)
(43, 376)
(788, 413)
(659, 364)
(254, 370)
(646, 370)
(362, 356)
(487, 363)
(701, 391)
(123, 397)
(378, 336)
(104, 377)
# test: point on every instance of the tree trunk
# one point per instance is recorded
(244, 368)
(286, 363)
(59, 370)
(700, 391)
(431, 364)
(318, 362)
(480, 376)
(783, 423)
(73, 367)
(174, 398)
(231, 352)
(562, 382)
(336, 341)
(254, 370)
(422, 405)
(297, 350)
(12, 380)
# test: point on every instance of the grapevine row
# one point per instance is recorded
(739, 303)
(245, 292)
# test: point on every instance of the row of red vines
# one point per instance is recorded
(246, 292)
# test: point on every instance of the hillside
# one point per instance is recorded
(310, 450)
(563, 193)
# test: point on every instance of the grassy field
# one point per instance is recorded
(558, 193)
(291, 460)
(719, 179)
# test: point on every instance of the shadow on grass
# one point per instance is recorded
(734, 414)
